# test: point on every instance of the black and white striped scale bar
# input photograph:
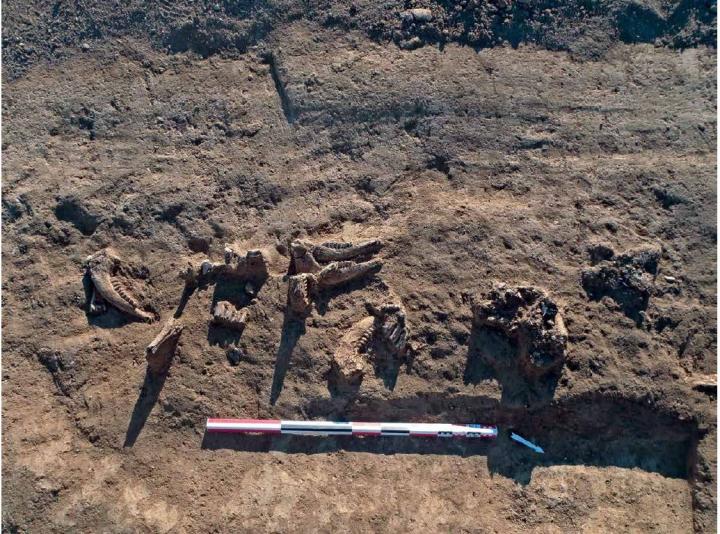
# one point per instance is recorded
(332, 428)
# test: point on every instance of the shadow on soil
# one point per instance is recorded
(325, 296)
(232, 290)
(586, 430)
(491, 355)
(292, 329)
(188, 292)
(149, 394)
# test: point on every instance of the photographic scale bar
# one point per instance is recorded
(327, 428)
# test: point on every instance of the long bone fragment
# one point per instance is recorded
(160, 351)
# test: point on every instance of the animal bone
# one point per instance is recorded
(390, 325)
(252, 265)
(331, 251)
(110, 280)
(97, 304)
(160, 351)
(300, 288)
(531, 320)
(370, 339)
(226, 314)
(341, 272)
(348, 363)
(308, 257)
(302, 257)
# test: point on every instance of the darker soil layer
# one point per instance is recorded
(50, 30)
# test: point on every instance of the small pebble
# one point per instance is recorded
(421, 14)
(411, 44)
(234, 355)
(670, 279)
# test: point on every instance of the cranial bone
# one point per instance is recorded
(308, 257)
(300, 287)
(390, 325)
(332, 251)
(341, 272)
(112, 282)
(252, 265)
(302, 257)
(348, 361)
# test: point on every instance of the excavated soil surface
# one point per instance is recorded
(499, 142)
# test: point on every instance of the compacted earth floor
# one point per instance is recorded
(483, 143)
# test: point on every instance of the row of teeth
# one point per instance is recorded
(117, 286)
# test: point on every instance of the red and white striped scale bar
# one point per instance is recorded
(325, 428)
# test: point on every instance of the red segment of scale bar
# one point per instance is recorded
(365, 432)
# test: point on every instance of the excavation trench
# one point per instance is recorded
(590, 430)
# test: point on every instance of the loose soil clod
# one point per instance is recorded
(628, 279)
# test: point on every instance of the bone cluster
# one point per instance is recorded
(382, 334)
(314, 268)
(327, 265)
(527, 316)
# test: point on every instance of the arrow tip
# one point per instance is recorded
(527, 443)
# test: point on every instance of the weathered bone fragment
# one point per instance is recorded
(349, 363)
(300, 287)
(341, 272)
(531, 321)
(380, 339)
(160, 351)
(112, 283)
(303, 260)
(252, 265)
(227, 315)
(390, 326)
(97, 304)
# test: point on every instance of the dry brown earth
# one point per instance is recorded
(497, 164)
